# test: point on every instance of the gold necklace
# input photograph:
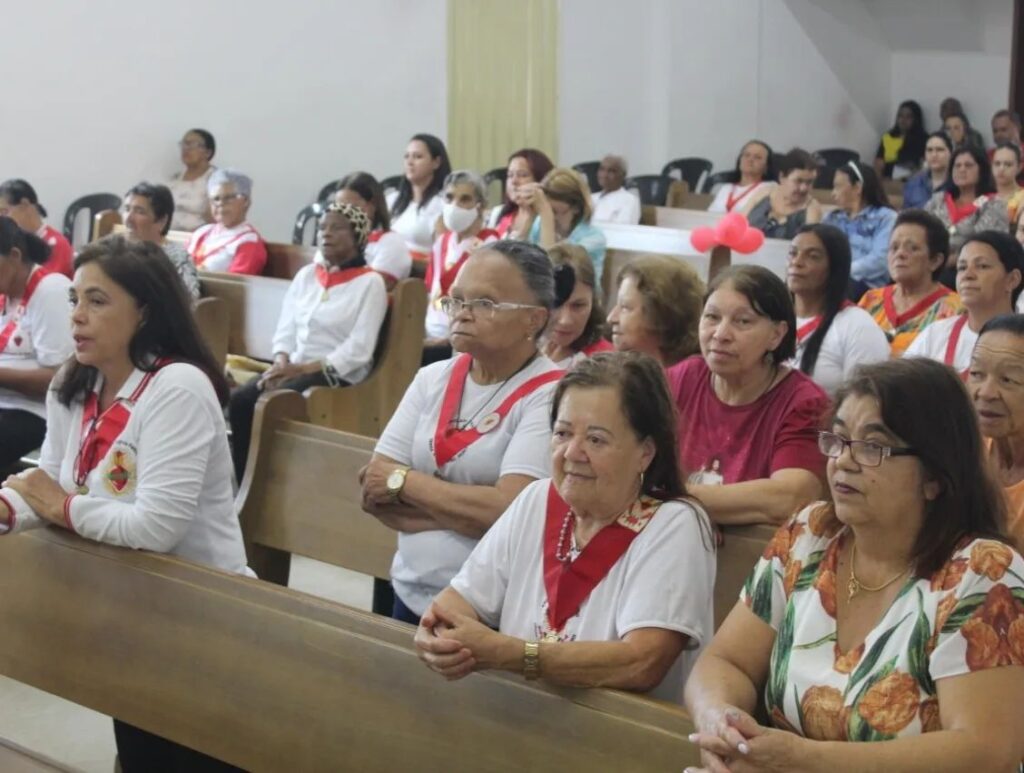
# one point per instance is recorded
(855, 586)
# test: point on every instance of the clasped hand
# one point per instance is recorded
(454, 645)
(41, 492)
(731, 741)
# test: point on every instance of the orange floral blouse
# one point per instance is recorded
(966, 617)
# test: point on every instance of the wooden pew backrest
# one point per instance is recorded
(741, 547)
(211, 315)
(253, 307)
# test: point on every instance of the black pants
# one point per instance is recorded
(142, 752)
(403, 613)
(20, 432)
(243, 406)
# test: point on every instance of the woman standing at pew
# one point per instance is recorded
(576, 329)
(135, 453)
(657, 309)
(783, 209)
(191, 200)
(833, 336)
(148, 210)
(230, 242)
(18, 201)
(884, 629)
(601, 576)
(35, 339)
(416, 207)
(917, 254)
(753, 177)
(472, 431)
(748, 420)
(385, 252)
(512, 218)
(329, 325)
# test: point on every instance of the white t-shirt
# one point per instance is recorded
(743, 196)
(177, 496)
(853, 339)
(665, 579)
(387, 254)
(191, 202)
(619, 206)
(41, 339)
(426, 561)
(416, 224)
(933, 340)
(339, 325)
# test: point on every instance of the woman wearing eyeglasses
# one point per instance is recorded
(230, 243)
(866, 217)
(884, 629)
(191, 202)
(472, 431)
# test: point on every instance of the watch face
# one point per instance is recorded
(395, 480)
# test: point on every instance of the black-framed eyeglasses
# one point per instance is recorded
(863, 452)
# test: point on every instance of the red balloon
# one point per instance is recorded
(749, 242)
(703, 238)
(731, 228)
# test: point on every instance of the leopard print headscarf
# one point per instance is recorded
(357, 219)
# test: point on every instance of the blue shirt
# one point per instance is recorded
(589, 237)
(917, 190)
(868, 232)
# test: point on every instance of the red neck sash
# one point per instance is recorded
(570, 583)
(446, 276)
(956, 212)
(810, 326)
(99, 431)
(953, 342)
(328, 279)
(449, 441)
(30, 287)
(733, 200)
(898, 320)
(202, 254)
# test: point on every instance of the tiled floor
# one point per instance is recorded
(83, 739)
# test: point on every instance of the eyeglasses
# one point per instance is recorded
(480, 308)
(863, 452)
(225, 198)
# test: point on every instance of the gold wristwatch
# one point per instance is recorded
(396, 482)
(531, 660)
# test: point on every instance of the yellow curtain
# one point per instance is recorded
(502, 80)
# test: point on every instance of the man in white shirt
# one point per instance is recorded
(613, 203)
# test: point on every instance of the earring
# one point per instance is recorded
(641, 481)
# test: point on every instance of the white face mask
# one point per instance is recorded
(457, 218)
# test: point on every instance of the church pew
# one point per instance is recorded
(271, 679)
(366, 408)
(253, 307)
(211, 315)
(301, 495)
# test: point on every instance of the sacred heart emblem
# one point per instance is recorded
(120, 476)
(17, 340)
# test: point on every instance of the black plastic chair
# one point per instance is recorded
(652, 188)
(496, 175)
(718, 178)
(93, 203)
(589, 170)
(691, 169)
(391, 183)
(310, 212)
(830, 159)
(328, 190)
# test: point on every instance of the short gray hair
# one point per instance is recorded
(619, 161)
(471, 177)
(242, 183)
(533, 263)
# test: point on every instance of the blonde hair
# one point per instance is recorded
(569, 187)
(673, 298)
(564, 254)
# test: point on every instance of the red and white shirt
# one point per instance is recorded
(62, 254)
(238, 250)
(446, 259)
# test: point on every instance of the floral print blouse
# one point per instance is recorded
(966, 617)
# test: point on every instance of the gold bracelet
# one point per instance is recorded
(531, 660)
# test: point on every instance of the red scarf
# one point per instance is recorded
(898, 320)
(448, 441)
(436, 265)
(30, 287)
(570, 583)
(956, 212)
(732, 200)
(810, 326)
(328, 279)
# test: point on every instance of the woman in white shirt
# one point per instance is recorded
(230, 243)
(416, 207)
(35, 338)
(385, 252)
(576, 330)
(602, 576)
(330, 321)
(148, 210)
(135, 453)
(754, 175)
(191, 202)
(989, 274)
(833, 336)
(471, 432)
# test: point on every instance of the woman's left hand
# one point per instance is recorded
(41, 492)
(279, 373)
(374, 478)
(533, 195)
(766, 750)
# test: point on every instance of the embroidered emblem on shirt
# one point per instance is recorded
(120, 476)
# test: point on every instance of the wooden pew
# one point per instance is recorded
(211, 315)
(366, 408)
(253, 306)
(270, 679)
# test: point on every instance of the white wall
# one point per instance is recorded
(297, 93)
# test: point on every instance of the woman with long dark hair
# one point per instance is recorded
(901, 149)
(385, 252)
(833, 336)
(135, 453)
(416, 207)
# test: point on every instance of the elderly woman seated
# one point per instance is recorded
(148, 210)
(229, 243)
(884, 629)
(330, 320)
(657, 309)
(613, 203)
(747, 419)
(601, 576)
(576, 329)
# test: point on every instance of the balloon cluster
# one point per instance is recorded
(732, 231)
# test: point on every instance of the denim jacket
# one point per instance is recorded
(868, 232)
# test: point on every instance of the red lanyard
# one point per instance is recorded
(732, 201)
(811, 325)
(30, 287)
